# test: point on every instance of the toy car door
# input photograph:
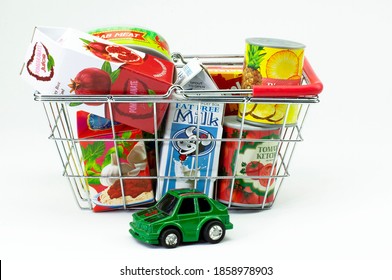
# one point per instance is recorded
(188, 217)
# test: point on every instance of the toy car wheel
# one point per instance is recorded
(214, 232)
(170, 238)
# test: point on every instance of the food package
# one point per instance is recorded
(227, 77)
(112, 170)
(64, 61)
(190, 151)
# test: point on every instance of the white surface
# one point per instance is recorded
(333, 215)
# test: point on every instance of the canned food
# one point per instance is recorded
(142, 39)
(250, 166)
(271, 62)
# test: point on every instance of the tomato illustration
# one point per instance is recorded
(253, 168)
(267, 171)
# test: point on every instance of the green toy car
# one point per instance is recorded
(182, 215)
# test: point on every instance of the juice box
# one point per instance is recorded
(64, 61)
(190, 153)
(227, 77)
(112, 170)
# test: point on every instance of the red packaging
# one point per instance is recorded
(112, 171)
(249, 162)
(227, 77)
(64, 61)
(152, 77)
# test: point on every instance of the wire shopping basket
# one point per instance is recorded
(252, 160)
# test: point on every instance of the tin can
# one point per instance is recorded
(248, 164)
(139, 38)
(271, 62)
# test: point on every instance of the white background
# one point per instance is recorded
(332, 218)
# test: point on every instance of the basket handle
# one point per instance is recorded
(313, 88)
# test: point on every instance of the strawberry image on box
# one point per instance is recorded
(64, 61)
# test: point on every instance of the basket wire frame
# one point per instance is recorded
(62, 131)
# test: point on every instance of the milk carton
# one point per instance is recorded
(190, 151)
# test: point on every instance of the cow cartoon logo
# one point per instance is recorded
(193, 141)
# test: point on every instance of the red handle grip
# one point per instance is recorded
(314, 87)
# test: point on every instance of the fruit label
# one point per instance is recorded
(271, 62)
(249, 165)
(269, 114)
(190, 151)
(139, 38)
(113, 172)
(281, 66)
(65, 61)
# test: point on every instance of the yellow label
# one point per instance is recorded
(282, 63)
(271, 66)
(270, 113)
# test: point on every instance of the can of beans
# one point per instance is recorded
(247, 164)
(271, 62)
(139, 38)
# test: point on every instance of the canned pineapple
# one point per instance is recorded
(271, 62)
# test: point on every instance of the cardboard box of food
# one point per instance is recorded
(65, 61)
(113, 168)
(227, 77)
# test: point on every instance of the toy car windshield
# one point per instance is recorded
(167, 204)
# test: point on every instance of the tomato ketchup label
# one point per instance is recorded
(248, 163)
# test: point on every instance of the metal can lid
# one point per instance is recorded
(275, 43)
(234, 122)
